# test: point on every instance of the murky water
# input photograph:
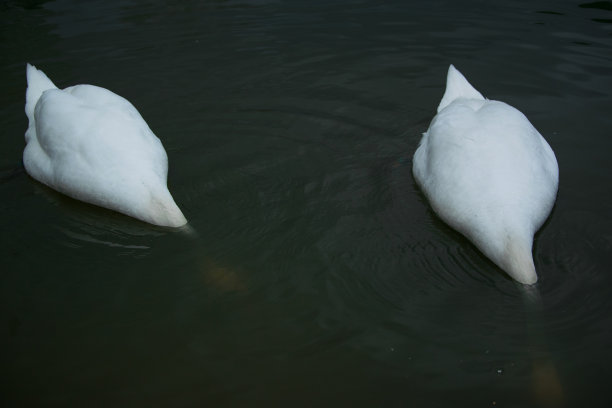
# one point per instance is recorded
(317, 275)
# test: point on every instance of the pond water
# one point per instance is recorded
(317, 274)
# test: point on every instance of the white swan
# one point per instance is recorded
(489, 174)
(92, 145)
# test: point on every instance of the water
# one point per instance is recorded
(319, 275)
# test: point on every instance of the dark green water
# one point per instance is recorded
(319, 276)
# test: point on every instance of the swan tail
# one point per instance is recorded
(457, 87)
(38, 82)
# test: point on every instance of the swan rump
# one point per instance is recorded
(92, 145)
(489, 174)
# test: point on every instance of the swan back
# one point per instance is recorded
(91, 144)
(489, 174)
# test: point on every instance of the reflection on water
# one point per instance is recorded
(313, 270)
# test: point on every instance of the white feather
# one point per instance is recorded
(489, 174)
(93, 145)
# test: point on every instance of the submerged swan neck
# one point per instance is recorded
(510, 249)
(165, 212)
(519, 262)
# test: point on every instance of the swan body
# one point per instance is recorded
(489, 174)
(92, 145)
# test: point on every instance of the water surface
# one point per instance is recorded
(319, 275)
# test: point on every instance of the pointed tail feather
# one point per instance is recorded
(38, 82)
(457, 87)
